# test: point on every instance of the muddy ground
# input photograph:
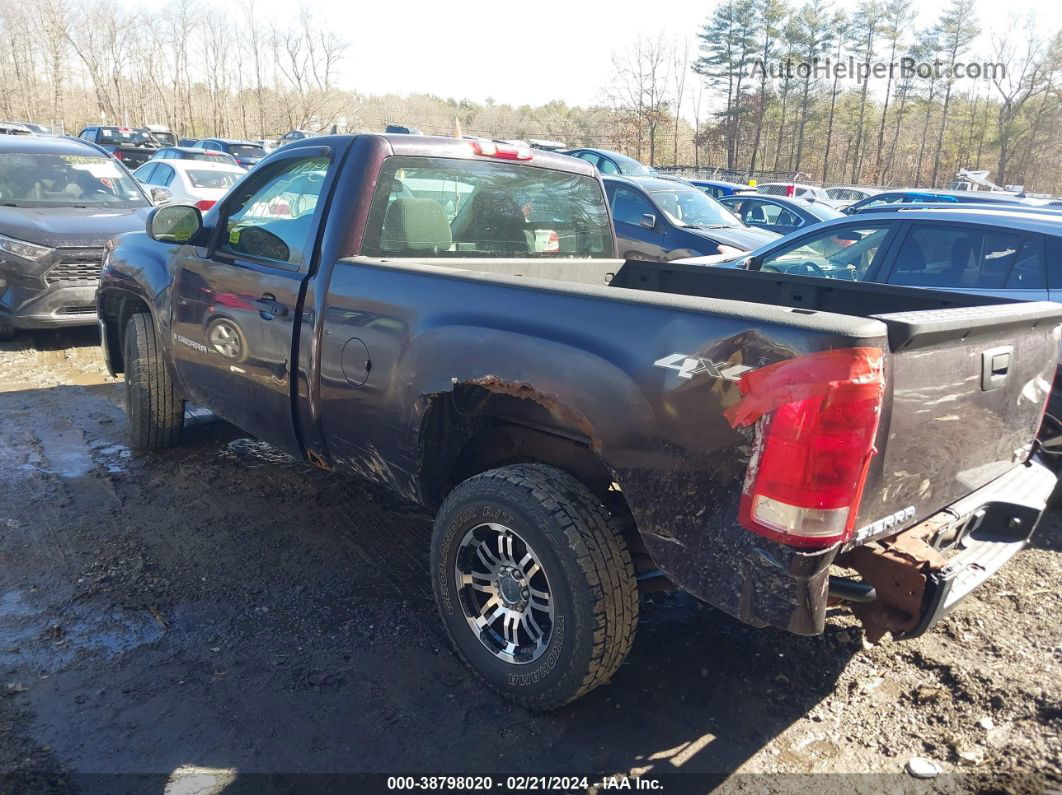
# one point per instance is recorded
(224, 609)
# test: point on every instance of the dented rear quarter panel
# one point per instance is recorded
(586, 353)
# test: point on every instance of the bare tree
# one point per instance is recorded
(1037, 62)
(958, 28)
(641, 87)
(680, 68)
(896, 22)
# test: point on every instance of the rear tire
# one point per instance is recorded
(7, 331)
(156, 413)
(532, 529)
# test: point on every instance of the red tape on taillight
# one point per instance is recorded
(817, 418)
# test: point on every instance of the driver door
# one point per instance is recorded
(235, 303)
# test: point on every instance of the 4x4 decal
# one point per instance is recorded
(689, 366)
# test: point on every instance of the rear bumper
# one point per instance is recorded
(921, 574)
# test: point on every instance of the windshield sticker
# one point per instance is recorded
(96, 166)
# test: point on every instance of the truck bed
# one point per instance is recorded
(937, 418)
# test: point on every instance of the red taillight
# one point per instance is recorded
(205, 204)
(818, 416)
(119, 156)
(790, 190)
(501, 151)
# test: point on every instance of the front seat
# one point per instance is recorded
(415, 226)
(961, 252)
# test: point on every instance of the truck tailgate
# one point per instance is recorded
(965, 393)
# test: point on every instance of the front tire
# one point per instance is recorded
(534, 584)
(156, 413)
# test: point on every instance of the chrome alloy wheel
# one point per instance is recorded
(504, 593)
(226, 340)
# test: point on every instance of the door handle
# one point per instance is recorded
(269, 305)
(995, 366)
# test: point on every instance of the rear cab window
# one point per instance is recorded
(452, 207)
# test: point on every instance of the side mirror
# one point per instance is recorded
(174, 223)
(161, 196)
(648, 221)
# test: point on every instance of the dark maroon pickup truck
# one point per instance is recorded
(447, 317)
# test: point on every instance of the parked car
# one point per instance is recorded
(610, 162)
(580, 423)
(37, 129)
(908, 196)
(776, 213)
(132, 147)
(246, 153)
(161, 133)
(843, 195)
(191, 181)
(662, 219)
(295, 135)
(793, 190)
(1009, 252)
(194, 153)
(61, 199)
(403, 129)
(14, 128)
(717, 188)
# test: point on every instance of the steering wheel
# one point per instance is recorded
(808, 268)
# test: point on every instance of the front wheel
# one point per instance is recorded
(534, 583)
(156, 413)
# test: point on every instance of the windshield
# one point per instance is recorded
(213, 180)
(39, 180)
(691, 207)
(165, 138)
(118, 137)
(246, 150)
(470, 208)
(630, 168)
(212, 156)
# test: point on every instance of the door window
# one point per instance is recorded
(163, 175)
(145, 173)
(628, 206)
(589, 157)
(273, 217)
(879, 202)
(1028, 272)
(839, 252)
(1053, 246)
(949, 255)
(758, 213)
